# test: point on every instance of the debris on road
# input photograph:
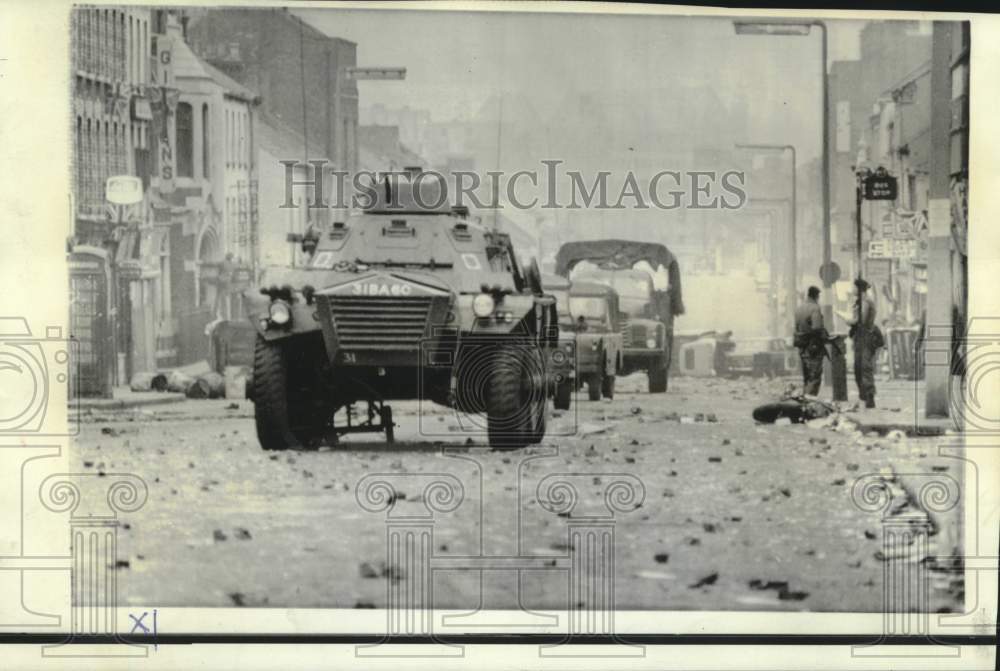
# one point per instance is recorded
(707, 580)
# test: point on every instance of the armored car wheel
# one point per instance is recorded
(286, 414)
(515, 398)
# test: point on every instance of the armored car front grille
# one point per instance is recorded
(375, 323)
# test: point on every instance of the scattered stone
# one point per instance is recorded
(939, 469)
(838, 482)
(725, 441)
(443, 547)
(710, 417)
(709, 527)
(108, 431)
(122, 563)
(786, 491)
(88, 464)
(707, 580)
(853, 467)
(738, 452)
(788, 595)
(364, 604)
(233, 406)
(661, 557)
(715, 460)
(218, 536)
(242, 534)
(633, 442)
(636, 410)
(238, 598)
(629, 460)
(367, 570)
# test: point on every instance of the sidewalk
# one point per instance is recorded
(900, 407)
(123, 398)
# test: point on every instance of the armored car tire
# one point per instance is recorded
(515, 398)
(285, 415)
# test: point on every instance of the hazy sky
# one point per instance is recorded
(457, 60)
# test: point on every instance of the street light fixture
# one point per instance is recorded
(803, 28)
(793, 270)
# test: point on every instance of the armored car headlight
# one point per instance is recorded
(651, 343)
(482, 305)
(279, 313)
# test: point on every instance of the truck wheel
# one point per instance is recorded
(270, 394)
(594, 387)
(564, 392)
(658, 377)
(608, 386)
(515, 401)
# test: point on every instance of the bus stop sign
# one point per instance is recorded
(880, 186)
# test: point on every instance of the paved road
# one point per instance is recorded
(734, 516)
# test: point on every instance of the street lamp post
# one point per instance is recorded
(792, 267)
(802, 28)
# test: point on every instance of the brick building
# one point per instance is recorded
(297, 70)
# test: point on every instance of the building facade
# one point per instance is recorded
(111, 79)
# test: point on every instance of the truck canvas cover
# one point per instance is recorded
(624, 254)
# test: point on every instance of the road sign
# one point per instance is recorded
(357, 73)
(829, 272)
(880, 186)
(123, 190)
(892, 249)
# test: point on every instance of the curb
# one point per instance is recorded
(155, 398)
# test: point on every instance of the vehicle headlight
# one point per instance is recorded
(568, 347)
(595, 345)
(482, 305)
(279, 313)
(558, 358)
(651, 343)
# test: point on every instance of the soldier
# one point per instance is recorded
(863, 332)
(810, 339)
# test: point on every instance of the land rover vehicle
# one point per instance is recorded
(648, 312)
(562, 361)
(401, 301)
(594, 319)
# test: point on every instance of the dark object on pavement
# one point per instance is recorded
(798, 409)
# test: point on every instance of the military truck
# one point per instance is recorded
(562, 361)
(647, 312)
(595, 317)
(401, 301)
